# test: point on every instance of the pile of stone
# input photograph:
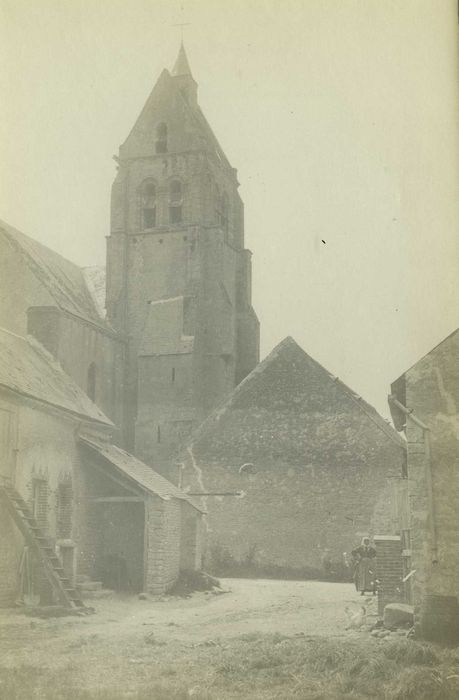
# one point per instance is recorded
(398, 622)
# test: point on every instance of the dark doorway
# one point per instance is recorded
(120, 551)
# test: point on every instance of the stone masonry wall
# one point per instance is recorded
(191, 538)
(163, 544)
(432, 392)
(310, 462)
(168, 420)
(77, 345)
(200, 256)
(46, 453)
(10, 548)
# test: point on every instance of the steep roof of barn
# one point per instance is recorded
(291, 405)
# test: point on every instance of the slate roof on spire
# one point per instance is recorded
(181, 67)
(164, 103)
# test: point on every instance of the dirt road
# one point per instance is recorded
(243, 606)
(128, 635)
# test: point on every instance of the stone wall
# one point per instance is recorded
(45, 455)
(82, 348)
(10, 549)
(310, 461)
(48, 455)
(163, 544)
(167, 421)
(431, 390)
(28, 306)
(191, 538)
(174, 542)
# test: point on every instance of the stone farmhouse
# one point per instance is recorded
(314, 462)
(425, 406)
(152, 409)
(84, 508)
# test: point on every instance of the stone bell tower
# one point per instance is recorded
(178, 275)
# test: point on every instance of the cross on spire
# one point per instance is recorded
(181, 25)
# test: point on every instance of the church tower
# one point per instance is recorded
(178, 275)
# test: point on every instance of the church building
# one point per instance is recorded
(178, 275)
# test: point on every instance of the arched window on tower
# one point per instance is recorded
(91, 381)
(148, 204)
(161, 138)
(175, 202)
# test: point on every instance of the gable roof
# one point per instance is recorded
(285, 349)
(28, 369)
(423, 357)
(63, 279)
(398, 386)
(138, 471)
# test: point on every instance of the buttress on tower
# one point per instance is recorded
(178, 275)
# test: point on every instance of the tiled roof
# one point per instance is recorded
(63, 279)
(285, 348)
(432, 350)
(138, 471)
(27, 368)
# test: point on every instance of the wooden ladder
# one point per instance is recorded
(41, 546)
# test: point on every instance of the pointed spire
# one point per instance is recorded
(181, 67)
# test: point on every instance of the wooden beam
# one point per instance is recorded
(116, 499)
(214, 493)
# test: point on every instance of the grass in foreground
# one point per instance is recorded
(268, 667)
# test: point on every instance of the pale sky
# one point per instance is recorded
(341, 117)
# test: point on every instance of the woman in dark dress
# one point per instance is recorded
(365, 567)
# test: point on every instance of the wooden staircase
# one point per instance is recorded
(41, 546)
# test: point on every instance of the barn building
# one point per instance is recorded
(315, 464)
